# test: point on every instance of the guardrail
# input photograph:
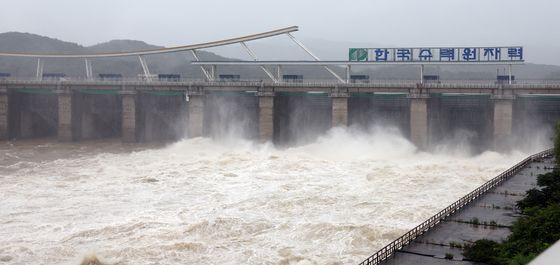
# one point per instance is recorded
(305, 82)
(480, 84)
(424, 227)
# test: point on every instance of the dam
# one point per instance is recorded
(487, 114)
(156, 107)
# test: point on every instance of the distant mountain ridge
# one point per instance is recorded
(121, 46)
(26, 42)
(180, 63)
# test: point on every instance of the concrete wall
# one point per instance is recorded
(533, 114)
(301, 117)
(461, 119)
(367, 109)
(162, 117)
(32, 115)
(100, 115)
(231, 115)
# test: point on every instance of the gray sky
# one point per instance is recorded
(532, 23)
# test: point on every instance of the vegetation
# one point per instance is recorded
(533, 233)
(557, 144)
(548, 195)
(448, 256)
(453, 244)
(483, 250)
(475, 221)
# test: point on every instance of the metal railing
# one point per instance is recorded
(390, 249)
(306, 82)
(490, 84)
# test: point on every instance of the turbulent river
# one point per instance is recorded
(200, 201)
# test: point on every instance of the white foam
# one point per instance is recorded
(201, 201)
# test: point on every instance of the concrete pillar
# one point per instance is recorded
(419, 121)
(65, 116)
(129, 117)
(339, 110)
(503, 112)
(4, 107)
(195, 124)
(266, 116)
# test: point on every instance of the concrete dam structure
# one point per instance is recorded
(487, 115)
(284, 109)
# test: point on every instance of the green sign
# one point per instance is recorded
(358, 55)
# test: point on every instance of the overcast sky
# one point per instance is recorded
(531, 23)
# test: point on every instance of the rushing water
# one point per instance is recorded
(199, 201)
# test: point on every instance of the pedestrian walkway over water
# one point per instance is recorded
(486, 213)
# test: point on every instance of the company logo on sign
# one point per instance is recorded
(419, 55)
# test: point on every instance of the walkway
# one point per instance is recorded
(494, 212)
